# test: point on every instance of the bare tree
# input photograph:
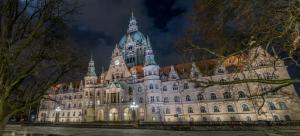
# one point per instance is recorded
(250, 34)
(35, 52)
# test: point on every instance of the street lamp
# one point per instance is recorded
(133, 106)
(57, 110)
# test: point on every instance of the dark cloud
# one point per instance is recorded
(101, 23)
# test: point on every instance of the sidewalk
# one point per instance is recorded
(146, 132)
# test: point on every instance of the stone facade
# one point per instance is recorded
(134, 87)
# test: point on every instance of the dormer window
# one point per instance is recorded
(175, 87)
(222, 80)
(220, 71)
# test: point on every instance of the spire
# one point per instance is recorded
(148, 43)
(102, 71)
(91, 68)
(81, 84)
(71, 85)
(149, 56)
(132, 27)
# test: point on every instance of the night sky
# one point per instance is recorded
(100, 24)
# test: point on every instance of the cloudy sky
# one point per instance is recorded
(100, 24)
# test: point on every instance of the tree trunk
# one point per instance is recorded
(2, 127)
(3, 118)
(3, 121)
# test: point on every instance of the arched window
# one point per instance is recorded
(153, 109)
(175, 87)
(213, 96)
(188, 98)
(245, 107)
(272, 106)
(167, 111)
(220, 71)
(248, 119)
(241, 94)
(200, 97)
(190, 110)
(202, 109)
(176, 98)
(166, 99)
(227, 95)
(230, 108)
(216, 109)
(236, 79)
(282, 106)
(178, 110)
(287, 117)
(151, 86)
(165, 88)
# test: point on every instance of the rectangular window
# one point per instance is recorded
(186, 86)
(152, 98)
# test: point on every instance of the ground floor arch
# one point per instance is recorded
(126, 114)
(113, 114)
(100, 115)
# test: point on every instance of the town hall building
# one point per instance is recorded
(136, 88)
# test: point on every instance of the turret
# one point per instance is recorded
(91, 68)
(132, 27)
(149, 56)
(91, 76)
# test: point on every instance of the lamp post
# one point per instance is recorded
(57, 110)
(133, 106)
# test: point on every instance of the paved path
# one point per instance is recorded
(144, 132)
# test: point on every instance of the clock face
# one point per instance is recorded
(117, 62)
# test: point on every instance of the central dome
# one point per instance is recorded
(136, 36)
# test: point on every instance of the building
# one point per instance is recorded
(135, 87)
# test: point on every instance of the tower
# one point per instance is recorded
(117, 68)
(132, 45)
(153, 83)
(89, 92)
(91, 76)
